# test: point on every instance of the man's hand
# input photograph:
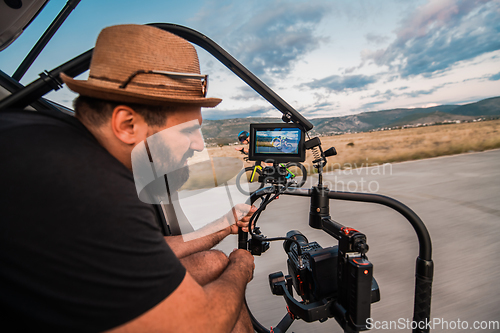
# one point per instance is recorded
(241, 214)
(244, 260)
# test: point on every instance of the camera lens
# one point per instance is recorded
(296, 235)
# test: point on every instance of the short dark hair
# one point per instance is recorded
(98, 111)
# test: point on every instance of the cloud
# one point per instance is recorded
(371, 105)
(416, 93)
(342, 83)
(253, 111)
(439, 35)
(247, 93)
(495, 77)
(376, 39)
(269, 39)
(390, 94)
(387, 95)
(318, 108)
(350, 70)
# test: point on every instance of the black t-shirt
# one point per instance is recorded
(78, 250)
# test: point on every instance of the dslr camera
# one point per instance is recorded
(330, 282)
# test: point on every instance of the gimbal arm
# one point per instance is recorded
(424, 266)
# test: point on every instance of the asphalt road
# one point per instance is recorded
(457, 197)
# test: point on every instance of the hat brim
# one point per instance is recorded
(110, 91)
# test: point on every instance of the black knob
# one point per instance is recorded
(331, 152)
(14, 4)
(362, 248)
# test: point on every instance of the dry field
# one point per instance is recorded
(362, 149)
(367, 149)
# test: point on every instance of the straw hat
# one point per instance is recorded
(145, 65)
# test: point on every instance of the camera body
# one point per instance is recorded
(316, 276)
(332, 275)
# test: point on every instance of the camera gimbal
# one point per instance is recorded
(334, 282)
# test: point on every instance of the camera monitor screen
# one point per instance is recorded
(278, 142)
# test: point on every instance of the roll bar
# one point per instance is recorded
(50, 80)
(424, 269)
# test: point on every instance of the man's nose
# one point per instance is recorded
(197, 142)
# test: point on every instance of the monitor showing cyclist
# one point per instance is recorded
(278, 142)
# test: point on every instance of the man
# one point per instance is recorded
(79, 251)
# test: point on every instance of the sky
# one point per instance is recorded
(325, 58)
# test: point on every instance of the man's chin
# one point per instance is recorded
(177, 178)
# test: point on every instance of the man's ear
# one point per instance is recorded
(127, 125)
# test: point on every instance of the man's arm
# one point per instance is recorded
(211, 235)
(192, 308)
(183, 249)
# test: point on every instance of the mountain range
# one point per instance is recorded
(225, 131)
